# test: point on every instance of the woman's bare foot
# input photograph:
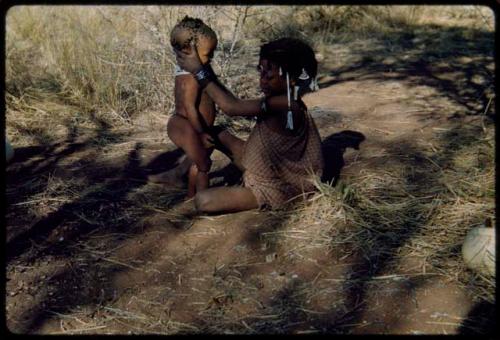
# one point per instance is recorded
(182, 215)
(172, 177)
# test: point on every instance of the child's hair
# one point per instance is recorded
(196, 27)
(292, 55)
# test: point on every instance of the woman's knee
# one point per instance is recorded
(202, 201)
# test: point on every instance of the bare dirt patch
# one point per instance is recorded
(90, 247)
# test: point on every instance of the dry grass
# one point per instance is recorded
(109, 62)
(382, 214)
(74, 70)
(113, 63)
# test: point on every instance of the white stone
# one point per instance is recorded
(478, 250)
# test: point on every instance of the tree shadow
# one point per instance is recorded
(102, 208)
(480, 320)
(228, 175)
(113, 190)
(455, 61)
(164, 161)
(417, 70)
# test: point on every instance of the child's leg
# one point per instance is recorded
(225, 199)
(185, 136)
(202, 180)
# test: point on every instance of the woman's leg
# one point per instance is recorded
(225, 199)
(192, 176)
(234, 145)
(173, 176)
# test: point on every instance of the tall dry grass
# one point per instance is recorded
(113, 62)
(108, 61)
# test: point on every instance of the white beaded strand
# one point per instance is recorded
(289, 118)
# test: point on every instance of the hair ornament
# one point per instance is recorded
(289, 116)
(313, 86)
(304, 75)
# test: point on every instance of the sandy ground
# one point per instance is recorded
(68, 272)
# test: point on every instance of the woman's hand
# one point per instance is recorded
(189, 61)
(206, 140)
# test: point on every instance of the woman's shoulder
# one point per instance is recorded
(283, 103)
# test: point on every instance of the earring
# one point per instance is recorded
(281, 72)
(289, 116)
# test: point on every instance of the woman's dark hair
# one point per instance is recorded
(292, 55)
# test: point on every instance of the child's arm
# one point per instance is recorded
(187, 96)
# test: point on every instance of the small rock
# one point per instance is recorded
(271, 257)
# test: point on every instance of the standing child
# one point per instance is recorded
(194, 109)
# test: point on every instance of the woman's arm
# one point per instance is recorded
(228, 102)
(234, 106)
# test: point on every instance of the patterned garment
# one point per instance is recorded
(278, 168)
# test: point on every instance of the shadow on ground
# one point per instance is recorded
(458, 62)
(454, 61)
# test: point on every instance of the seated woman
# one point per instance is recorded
(283, 150)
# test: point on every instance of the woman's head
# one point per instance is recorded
(292, 56)
(190, 30)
